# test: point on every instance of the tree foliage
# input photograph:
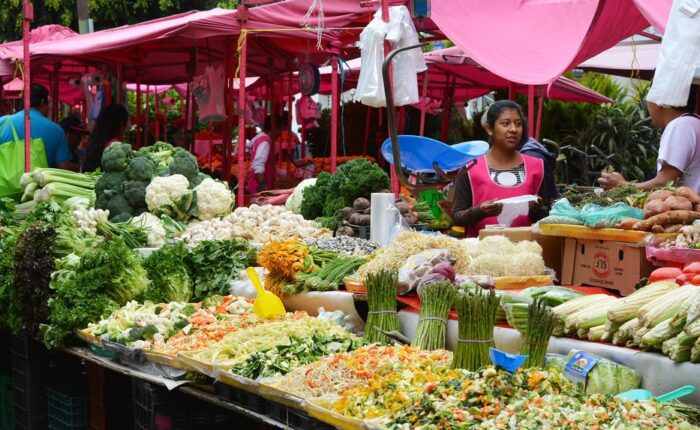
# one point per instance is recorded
(104, 13)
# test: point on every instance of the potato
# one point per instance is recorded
(655, 207)
(677, 203)
(687, 193)
(628, 223)
(659, 195)
(697, 207)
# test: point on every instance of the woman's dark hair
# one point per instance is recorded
(692, 102)
(38, 94)
(501, 105)
(109, 123)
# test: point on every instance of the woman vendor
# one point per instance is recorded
(262, 164)
(501, 173)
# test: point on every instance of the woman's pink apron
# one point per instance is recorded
(484, 189)
(251, 183)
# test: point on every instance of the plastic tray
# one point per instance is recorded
(188, 362)
(164, 359)
(581, 232)
(334, 419)
(88, 338)
(282, 397)
(520, 282)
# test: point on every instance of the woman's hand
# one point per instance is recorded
(611, 180)
(490, 208)
(535, 203)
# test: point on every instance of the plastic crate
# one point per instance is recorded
(296, 419)
(150, 406)
(7, 405)
(240, 397)
(195, 414)
(30, 369)
(67, 411)
(5, 362)
(96, 403)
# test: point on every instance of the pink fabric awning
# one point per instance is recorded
(535, 41)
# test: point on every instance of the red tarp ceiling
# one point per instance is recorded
(535, 41)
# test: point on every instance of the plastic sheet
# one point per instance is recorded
(514, 207)
(663, 257)
(595, 216)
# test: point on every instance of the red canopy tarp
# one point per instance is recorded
(535, 41)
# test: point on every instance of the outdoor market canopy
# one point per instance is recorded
(166, 50)
(535, 41)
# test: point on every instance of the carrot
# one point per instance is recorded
(668, 218)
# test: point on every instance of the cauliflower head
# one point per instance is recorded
(156, 232)
(214, 199)
(163, 190)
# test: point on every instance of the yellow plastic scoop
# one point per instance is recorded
(267, 304)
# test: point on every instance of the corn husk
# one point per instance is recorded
(658, 335)
(595, 334)
(572, 308)
(627, 308)
(626, 332)
(637, 338)
(590, 316)
(695, 351)
(679, 348)
(665, 306)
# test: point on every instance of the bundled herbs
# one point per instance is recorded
(167, 270)
(33, 264)
(381, 299)
(540, 324)
(90, 287)
(9, 317)
(282, 359)
(327, 278)
(214, 263)
(435, 303)
(7, 210)
(476, 311)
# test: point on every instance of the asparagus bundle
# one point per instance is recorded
(381, 299)
(435, 303)
(477, 312)
(540, 324)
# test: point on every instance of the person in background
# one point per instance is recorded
(501, 173)
(262, 165)
(76, 135)
(679, 149)
(285, 140)
(109, 128)
(58, 153)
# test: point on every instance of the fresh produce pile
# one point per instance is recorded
(606, 377)
(628, 194)
(688, 238)
(45, 184)
(494, 256)
(141, 326)
(667, 211)
(352, 246)
(331, 193)
(258, 224)
(323, 164)
(359, 214)
(476, 310)
(381, 300)
(515, 308)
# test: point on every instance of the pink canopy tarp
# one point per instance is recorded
(535, 41)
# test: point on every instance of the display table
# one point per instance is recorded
(659, 373)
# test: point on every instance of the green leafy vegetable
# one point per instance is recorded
(167, 270)
(214, 263)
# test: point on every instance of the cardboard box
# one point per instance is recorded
(613, 265)
(551, 245)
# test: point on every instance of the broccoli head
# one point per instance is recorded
(110, 181)
(140, 168)
(135, 193)
(116, 157)
(198, 180)
(117, 205)
(184, 164)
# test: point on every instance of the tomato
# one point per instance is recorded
(693, 267)
(664, 274)
(695, 280)
(685, 278)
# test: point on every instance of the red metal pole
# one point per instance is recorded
(290, 98)
(55, 101)
(273, 125)
(156, 111)
(425, 98)
(138, 112)
(335, 104)
(540, 109)
(243, 18)
(147, 119)
(511, 90)
(228, 123)
(368, 118)
(120, 81)
(530, 110)
(447, 111)
(28, 15)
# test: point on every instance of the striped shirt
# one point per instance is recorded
(508, 177)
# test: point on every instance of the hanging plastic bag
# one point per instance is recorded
(208, 89)
(400, 32)
(12, 156)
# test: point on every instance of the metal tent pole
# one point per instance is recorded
(243, 18)
(28, 16)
